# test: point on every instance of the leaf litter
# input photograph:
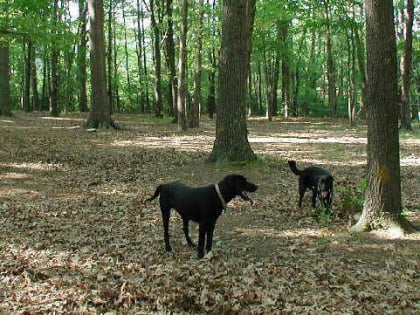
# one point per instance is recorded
(75, 236)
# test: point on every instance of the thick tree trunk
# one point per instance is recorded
(5, 99)
(100, 115)
(382, 206)
(231, 142)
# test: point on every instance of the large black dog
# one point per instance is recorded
(200, 204)
(317, 179)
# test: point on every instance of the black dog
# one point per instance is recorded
(200, 204)
(317, 179)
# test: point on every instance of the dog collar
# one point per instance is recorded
(224, 205)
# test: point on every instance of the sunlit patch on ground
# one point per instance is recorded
(76, 237)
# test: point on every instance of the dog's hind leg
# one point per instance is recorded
(166, 213)
(186, 232)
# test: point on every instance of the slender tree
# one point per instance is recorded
(154, 21)
(182, 84)
(81, 56)
(54, 93)
(382, 206)
(406, 59)
(194, 112)
(231, 143)
(26, 95)
(330, 62)
(100, 115)
(170, 60)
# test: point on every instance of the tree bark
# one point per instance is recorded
(182, 84)
(170, 60)
(406, 68)
(26, 97)
(55, 79)
(211, 98)
(285, 68)
(34, 80)
(81, 57)
(100, 115)
(194, 114)
(330, 64)
(157, 57)
(5, 99)
(231, 142)
(382, 206)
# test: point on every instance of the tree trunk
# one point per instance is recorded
(54, 96)
(362, 70)
(34, 80)
(194, 115)
(231, 142)
(330, 64)
(406, 68)
(157, 58)
(146, 97)
(100, 115)
(127, 66)
(170, 61)
(182, 84)
(211, 98)
(109, 59)
(26, 98)
(81, 57)
(269, 85)
(382, 206)
(283, 30)
(5, 99)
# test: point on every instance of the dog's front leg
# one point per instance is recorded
(202, 230)
(314, 195)
(210, 232)
(186, 232)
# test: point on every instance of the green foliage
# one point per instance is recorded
(304, 47)
(353, 198)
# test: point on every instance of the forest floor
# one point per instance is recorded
(75, 236)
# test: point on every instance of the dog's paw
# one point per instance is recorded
(208, 256)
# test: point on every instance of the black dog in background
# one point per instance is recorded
(317, 179)
(200, 204)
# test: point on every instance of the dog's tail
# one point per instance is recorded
(293, 167)
(157, 192)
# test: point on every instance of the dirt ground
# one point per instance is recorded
(75, 236)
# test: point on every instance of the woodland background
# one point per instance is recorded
(308, 57)
(75, 236)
